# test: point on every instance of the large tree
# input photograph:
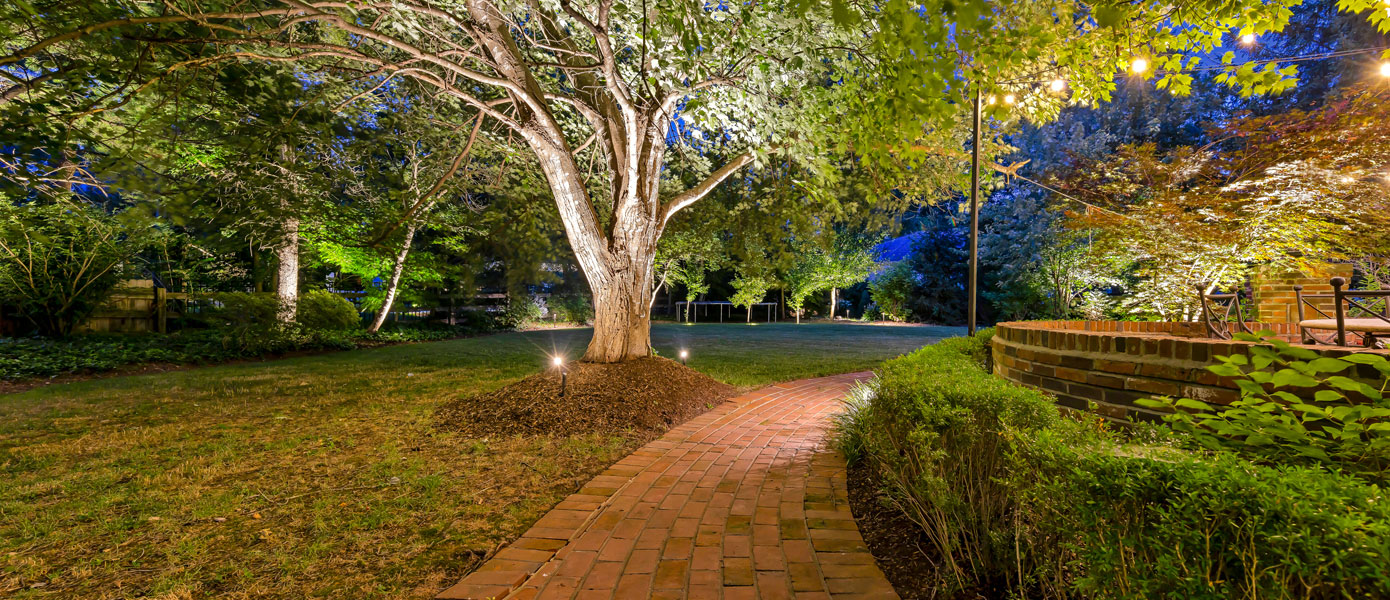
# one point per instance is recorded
(606, 80)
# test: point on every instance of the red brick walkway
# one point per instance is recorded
(744, 501)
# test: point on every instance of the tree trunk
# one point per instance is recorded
(832, 303)
(397, 269)
(617, 263)
(622, 325)
(287, 271)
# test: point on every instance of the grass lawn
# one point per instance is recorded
(323, 476)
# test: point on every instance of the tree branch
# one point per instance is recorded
(703, 188)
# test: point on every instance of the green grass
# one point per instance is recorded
(324, 476)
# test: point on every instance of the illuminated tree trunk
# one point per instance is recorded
(287, 271)
(832, 302)
(397, 269)
(287, 255)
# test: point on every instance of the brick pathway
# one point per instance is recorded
(744, 501)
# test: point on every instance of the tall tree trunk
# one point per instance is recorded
(833, 291)
(617, 263)
(287, 271)
(287, 255)
(397, 269)
(622, 325)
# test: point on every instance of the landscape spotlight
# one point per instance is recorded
(1247, 39)
(1139, 65)
(559, 362)
(1385, 69)
(991, 100)
(684, 355)
(1058, 85)
(1009, 98)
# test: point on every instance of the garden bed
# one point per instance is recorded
(1005, 492)
(647, 396)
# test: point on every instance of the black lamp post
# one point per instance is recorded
(974, 216)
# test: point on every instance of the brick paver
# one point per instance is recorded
(744, 501)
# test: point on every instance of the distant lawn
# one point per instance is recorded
(323, 476)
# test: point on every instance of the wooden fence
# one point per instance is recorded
(137, 306)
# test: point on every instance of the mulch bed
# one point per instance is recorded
(645, 396)
(898, 545)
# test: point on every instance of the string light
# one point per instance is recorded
(1139, 65)
(1058, 85)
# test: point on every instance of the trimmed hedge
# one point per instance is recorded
(1214, 527)
(1009, 494)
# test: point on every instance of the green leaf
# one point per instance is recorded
(1290, 377)
(1329, 365)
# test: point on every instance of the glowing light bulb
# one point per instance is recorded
(684, 355)
(1247, 39)
(1348, 179)
(1057, 85)
(1139, 65)
(558, 360)
(1385, 69)
(1009, 99)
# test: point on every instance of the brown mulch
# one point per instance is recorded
(898, 545)
(648, 395)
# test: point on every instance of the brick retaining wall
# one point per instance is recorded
(1274, 300)
(1104, 366)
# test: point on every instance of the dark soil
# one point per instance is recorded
(645, 396)
(898, 545)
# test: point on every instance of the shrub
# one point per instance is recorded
(1207, 527)
(891, 291)
(1271, 423)
(324, 310)
(572, 308)
(1009, 494)
(940, 434)
(60, 261)
(520, 312)
(242, 310)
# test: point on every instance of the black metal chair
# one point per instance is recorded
(1354, 317)
(1217, 311)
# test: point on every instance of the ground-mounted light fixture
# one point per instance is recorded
(1385, 68)
(684, 355)
(1139, 65)
(559, 362)
(1247, 39)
